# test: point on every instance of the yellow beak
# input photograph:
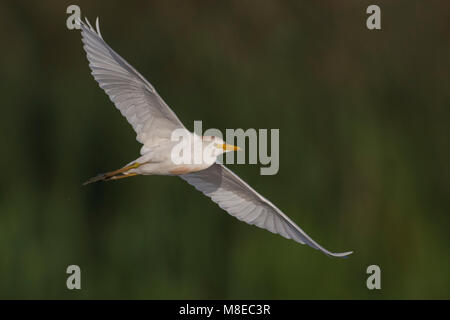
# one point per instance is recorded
(229, 147)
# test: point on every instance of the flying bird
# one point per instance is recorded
(154, 122)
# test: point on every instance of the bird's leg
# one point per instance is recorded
(112, 174)
(121, 176)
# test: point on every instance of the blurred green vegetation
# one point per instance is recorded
(364, 150)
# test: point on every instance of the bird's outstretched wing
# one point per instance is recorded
(134, 96)
(237, 198)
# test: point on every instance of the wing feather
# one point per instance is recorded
(131, 93)
(237, 198)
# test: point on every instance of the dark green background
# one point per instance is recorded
(364, 150)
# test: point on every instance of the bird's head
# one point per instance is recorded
(217, 146)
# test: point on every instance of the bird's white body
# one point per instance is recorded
(160, 159)
(155, 123)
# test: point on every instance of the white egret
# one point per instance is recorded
(154, 123)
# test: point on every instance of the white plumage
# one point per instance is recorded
(134, 96)
(154, 123)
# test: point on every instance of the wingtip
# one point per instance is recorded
(342, 254)
(87, 26)
(97, 26)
